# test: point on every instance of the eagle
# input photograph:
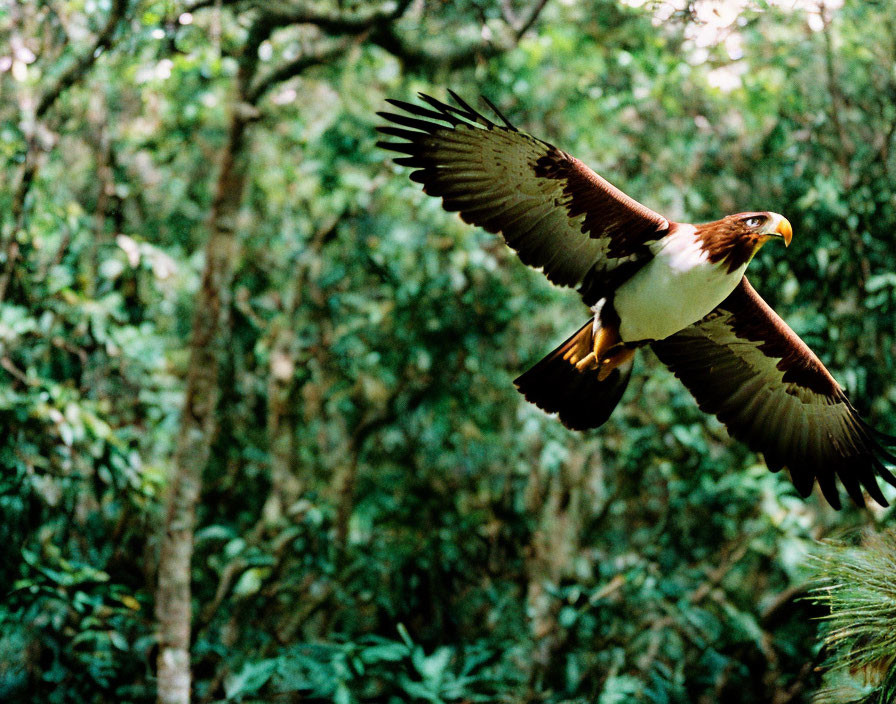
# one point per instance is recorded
(677, 288)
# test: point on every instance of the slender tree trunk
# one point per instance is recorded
(562, 502)
(286, 488)
(173, 603)
(98, 118)
(286, 485)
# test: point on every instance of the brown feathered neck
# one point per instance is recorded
(730, 241)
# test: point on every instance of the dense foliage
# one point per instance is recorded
(382, 517)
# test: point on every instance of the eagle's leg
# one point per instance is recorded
(615, 358)
(602, 345)
(580, 352)
(587, 362)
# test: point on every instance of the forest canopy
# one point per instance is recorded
(258, 431)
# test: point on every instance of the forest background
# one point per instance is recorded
(257, 420)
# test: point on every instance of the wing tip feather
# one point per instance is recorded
(507, 123)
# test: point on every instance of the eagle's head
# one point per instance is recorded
(760, 226)
(736, 238)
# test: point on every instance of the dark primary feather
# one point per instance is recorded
(746, 366)
(552, 209)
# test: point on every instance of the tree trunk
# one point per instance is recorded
(561, 501)
(173, 606)
(286, 488)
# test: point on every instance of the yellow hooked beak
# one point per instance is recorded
(785, 230)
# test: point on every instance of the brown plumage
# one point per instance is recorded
(729, 241)
(676, 287)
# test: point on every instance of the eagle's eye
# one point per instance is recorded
(754, 221)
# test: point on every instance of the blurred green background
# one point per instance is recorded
(382, 517)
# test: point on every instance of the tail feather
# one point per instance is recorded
(580, 398)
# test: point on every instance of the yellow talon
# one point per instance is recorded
(583, 364)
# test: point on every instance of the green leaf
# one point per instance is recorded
(387, 652)
(251, 678)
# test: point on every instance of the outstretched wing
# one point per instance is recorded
(552, 209)
(745, 365)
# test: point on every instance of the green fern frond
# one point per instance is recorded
(858, 586)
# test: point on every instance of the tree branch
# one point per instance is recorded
(340, 23)
(202, 4)
(526, 25)
(272, 20)
(295, 67)
(386, 37)
(74, 72)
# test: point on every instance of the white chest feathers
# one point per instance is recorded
(675, 289)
